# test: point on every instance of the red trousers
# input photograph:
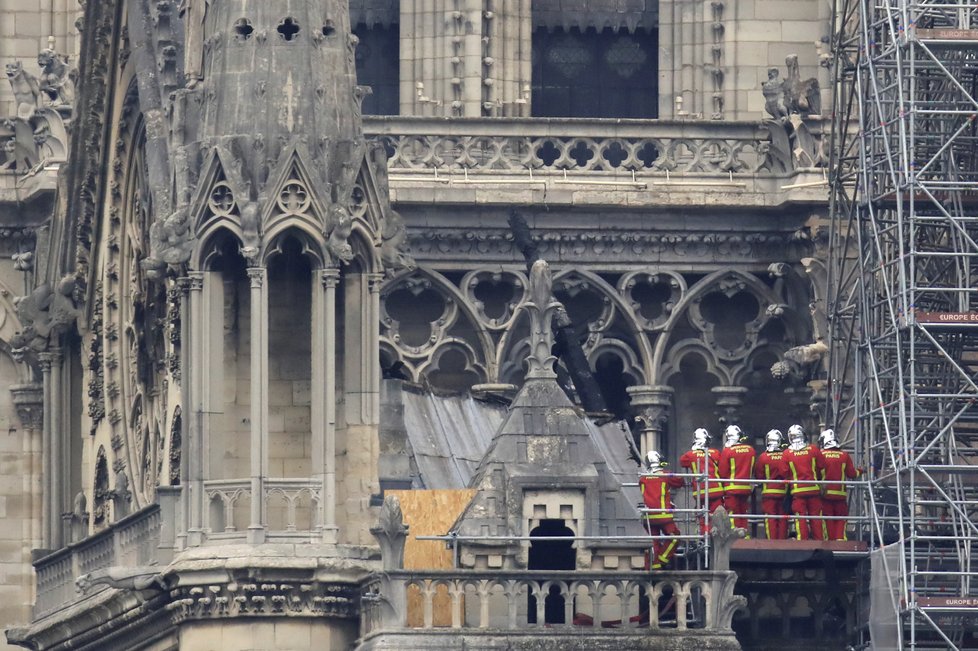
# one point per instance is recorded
(738, 505)
(810, 504)
(835, 528)
(774, 528)
(662, 548)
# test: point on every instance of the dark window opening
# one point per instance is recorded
(288, 29)
(378, 66)
(329, 28)
(243, 29)
(550, 555)
(593, 74)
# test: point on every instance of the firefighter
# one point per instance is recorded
(655, 484)
(701, 459)
(770, 465)
(805, 466)
(736, 466)
(838, 467)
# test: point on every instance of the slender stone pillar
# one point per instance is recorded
(29, 401)
(192, 460)
(259, 401)
(371, 362)
(324, 398)
(51, 448)
(653, 403)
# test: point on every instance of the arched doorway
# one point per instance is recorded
(550, 555)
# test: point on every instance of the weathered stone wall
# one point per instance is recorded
(295, 634)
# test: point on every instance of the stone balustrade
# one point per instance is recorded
(465, 600)
(575, 146)
(291, 506)
(132, 541)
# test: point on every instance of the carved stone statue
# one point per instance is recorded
(56, 78)
(393, 246)
(338, 243)
(773, 90)
(194, 12)
(801, 96)
(26, 89)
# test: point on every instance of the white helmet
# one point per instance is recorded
(732, 436)
(654, 461)
(774, 440)
(796, 436)
(701, 439)
(828, 440)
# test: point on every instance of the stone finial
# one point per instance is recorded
(541, 307)
(722, 537)
(391, 533)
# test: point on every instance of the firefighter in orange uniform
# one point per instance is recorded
(770, 465)
(699, 460)
(736, 467)
(655, 484)
(805, 466)
(838, 468)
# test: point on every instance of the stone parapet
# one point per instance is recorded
(594, 162)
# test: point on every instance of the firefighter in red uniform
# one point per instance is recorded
(701, 459)
(770, 465)
(838, 468)
(736, 467)
(805, 466)
(655, 484)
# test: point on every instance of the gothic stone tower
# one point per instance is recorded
(226, 229)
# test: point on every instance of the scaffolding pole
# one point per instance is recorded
(903, 304)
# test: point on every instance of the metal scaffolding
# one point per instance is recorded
(903, 303)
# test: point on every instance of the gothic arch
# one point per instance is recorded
(729, 283)
(420, 359)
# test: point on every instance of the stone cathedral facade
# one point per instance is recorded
(239, 239)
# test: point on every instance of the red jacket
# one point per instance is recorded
(838, 466)
(656, 495)
(771, 465)
(737, 464)
(804, 465)
(693, 460)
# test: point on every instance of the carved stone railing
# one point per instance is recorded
(132, 541)
(501, 601)
(291, 507)
(575, 146)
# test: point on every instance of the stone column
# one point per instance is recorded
(259, 401)
(29, 401)
(193, 364)
(324, 398)
(652, 404)
(371, 360)
(730, 401)
(51, 451)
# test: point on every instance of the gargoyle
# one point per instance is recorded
(338, 243)
(56, 81)
(393, 245)
(26, 89)
(122, 578)
(801, 96)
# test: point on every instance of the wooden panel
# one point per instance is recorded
(430, 513)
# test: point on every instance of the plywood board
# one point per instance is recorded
(430, 513)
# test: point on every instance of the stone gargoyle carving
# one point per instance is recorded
(46, 312)
(393, 245)
(38, 132)
(783, 97)
(122, 578)
(26, 90)
(56, 83)
(171, 243)
(338, 243)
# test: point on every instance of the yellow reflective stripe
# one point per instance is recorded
(738, 487)
(664, 556)
(841, 493)
(733, 468)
